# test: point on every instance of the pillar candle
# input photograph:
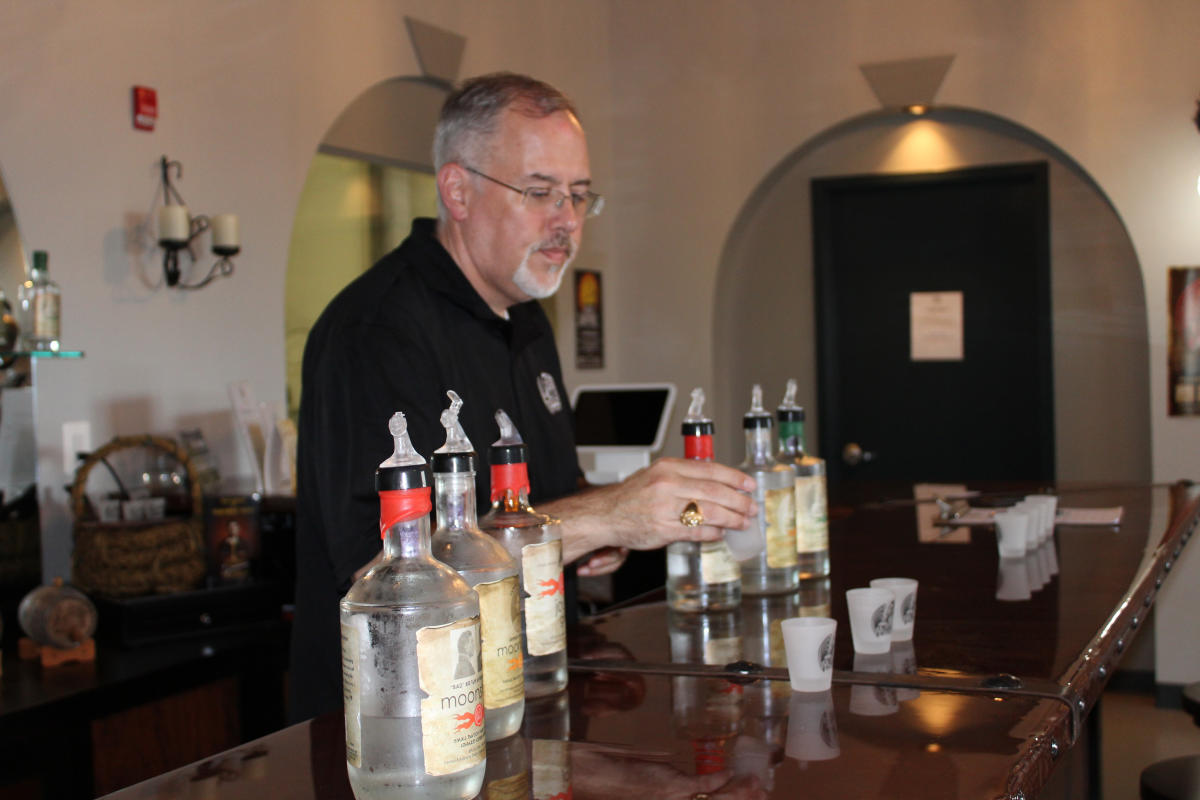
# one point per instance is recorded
(225, 232)
(174, 224)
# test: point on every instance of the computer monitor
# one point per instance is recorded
(618, 426)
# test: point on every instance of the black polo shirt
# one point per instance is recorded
(396, 339)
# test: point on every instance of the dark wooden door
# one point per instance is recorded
(979, 235)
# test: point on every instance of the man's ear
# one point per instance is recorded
(454, 189)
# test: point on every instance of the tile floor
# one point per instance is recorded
(1134, 734)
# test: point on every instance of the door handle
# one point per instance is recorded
(853, 454)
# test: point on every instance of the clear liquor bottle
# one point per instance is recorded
(535, 541)
(701, 576)
(812, 515)
(485, 565)
(411, 675)
(774, 569)
(40, 302)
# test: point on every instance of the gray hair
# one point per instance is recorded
(470, 114)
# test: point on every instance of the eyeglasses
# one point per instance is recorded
(543, 198)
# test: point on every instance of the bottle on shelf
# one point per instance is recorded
(812, 516)
(774, 569)
(535, 541)
(485, 565)
(40, 302)
(411, 674)
(701, 576)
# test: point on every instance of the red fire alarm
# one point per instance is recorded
(145, 108)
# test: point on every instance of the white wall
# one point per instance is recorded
(246, 91)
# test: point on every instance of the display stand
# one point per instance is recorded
(51, 656)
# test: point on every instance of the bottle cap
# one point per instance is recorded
(509, 448)
(404, 469)
(457, 454)
(756, 417)
(788, 410)
(41, 260)
(695, 423)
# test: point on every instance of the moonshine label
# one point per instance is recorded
(500, 623)
(452, 712)
(545, 609)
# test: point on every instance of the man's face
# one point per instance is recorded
(521, 251)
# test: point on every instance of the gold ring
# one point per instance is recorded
(691, 515)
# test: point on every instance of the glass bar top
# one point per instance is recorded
(974, 614)
(654, 736)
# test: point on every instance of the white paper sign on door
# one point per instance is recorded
(936, 326)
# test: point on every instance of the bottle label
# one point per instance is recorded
(452, 712)
(551, 770)
(350, 657)
(545, 604)
(780, 510)
(812, 515)
(45, 315)
(500, 623)
(717, 564)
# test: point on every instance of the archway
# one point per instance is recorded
(764, 327)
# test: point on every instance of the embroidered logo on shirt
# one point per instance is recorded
(549, 392)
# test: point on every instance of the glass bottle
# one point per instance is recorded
(40, 300)
(774, 569)
(701, 576)
(535, 541)
(486, 566)
(411, 675)
(812, 516)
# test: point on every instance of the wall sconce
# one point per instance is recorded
(177, 229)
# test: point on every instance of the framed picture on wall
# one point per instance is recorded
(1183, 336)
(589, 321)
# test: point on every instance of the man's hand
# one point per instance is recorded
(642, 511)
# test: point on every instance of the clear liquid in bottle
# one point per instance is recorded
(812, 515)
(411, 673)
(535, 541)
(701, 576)
(775, 569)
(486, 566)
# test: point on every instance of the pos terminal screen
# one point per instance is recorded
(619, 417)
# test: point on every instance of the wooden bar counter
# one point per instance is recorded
(991, 699)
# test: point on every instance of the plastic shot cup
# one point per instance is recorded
(1049, 506)
(871, 612)
(808, 643)
(812, 733)
(1012, 530)
(905, 590)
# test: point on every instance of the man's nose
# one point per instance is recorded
(566, 217)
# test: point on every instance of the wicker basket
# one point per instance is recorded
(127, 559)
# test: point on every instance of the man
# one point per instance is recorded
(451, 308)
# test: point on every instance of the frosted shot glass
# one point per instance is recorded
(905, 591)
(1012, 528)
(1049, 504)
(871, 611)
(808, 644)
(812, 733)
